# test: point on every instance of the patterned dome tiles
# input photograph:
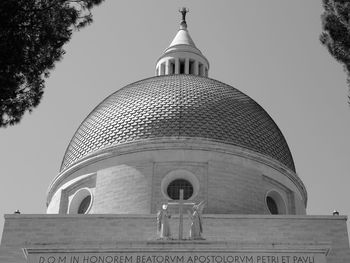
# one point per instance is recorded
(178, 106)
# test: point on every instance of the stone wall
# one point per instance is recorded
(107, 231)
(230, 179)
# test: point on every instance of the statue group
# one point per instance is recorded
(195, 215)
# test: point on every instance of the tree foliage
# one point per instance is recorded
(32, 35)
(336, 32)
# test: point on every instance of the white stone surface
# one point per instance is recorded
(128, 178)
(321, 238)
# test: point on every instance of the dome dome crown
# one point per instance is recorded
(182, 56)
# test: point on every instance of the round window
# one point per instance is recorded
(275, 203)
(271, 205)
(175, 186)
(84, 205)
(81, 202)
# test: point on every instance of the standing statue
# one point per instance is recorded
(196, 224)
(163, 227)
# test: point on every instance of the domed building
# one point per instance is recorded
(144, 142)
(163, 147)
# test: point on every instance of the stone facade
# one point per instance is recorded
(129, 180)
(247, 234)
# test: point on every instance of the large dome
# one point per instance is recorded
(178, 106)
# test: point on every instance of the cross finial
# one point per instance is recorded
(183, 11)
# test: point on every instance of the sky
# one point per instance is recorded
(269, 50)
